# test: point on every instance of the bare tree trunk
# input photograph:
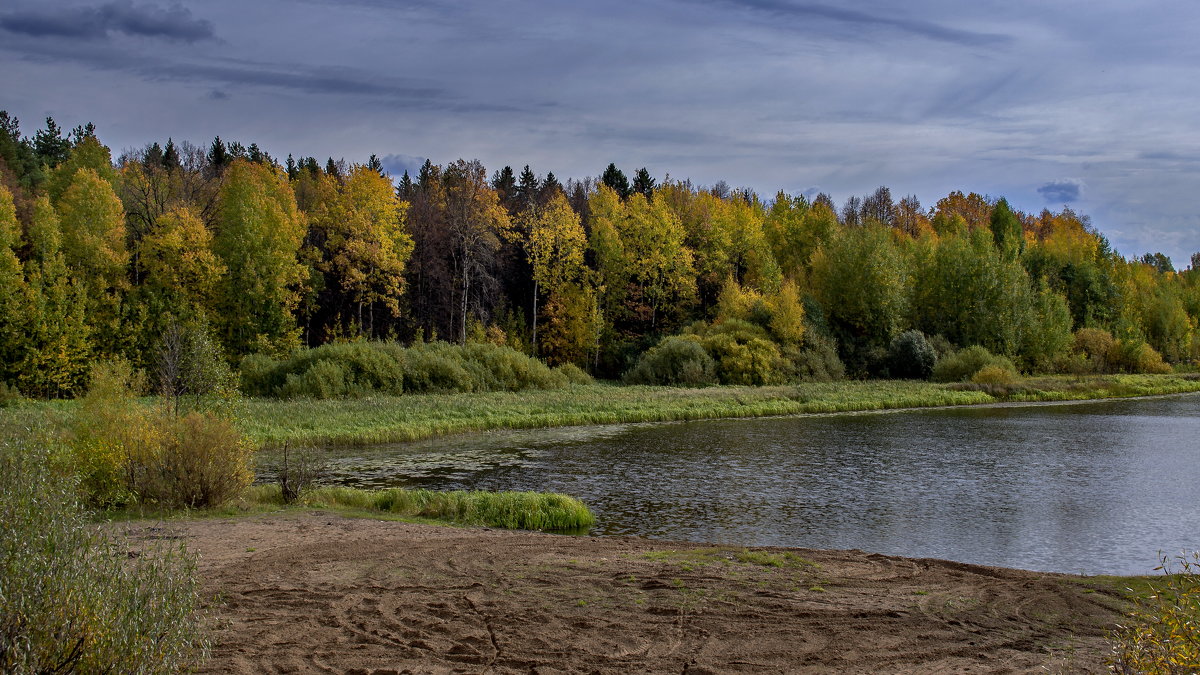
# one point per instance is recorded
(535, 299)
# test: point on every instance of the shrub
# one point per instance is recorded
(1094, 346)
(1162, 633)
(72, 600)
(910, 356)
(1135, 356)
(9, 396)
(674, 361)
(995, 376)
(574, 374)
(963, 364)
(368, 368)
(204, 461)
(817, 361)
(126, 452)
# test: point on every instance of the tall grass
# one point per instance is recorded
(72, 599)
(511, 510)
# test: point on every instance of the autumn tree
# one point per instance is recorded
(365, 247)
(555, 251)
(476, 224)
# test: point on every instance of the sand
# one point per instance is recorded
(314, 591)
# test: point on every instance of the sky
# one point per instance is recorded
(1092, 105)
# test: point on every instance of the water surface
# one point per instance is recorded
(1095, 488)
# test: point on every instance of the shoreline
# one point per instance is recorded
(385, 420)
(312, 589)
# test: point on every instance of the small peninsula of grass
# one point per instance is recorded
(548, 512)
(391, 419)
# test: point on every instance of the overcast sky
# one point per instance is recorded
(1095, 104)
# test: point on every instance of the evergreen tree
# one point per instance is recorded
(50, 145)
(170, 159)
(643, 183)
(375, 165)
(527, 189)
(615, 179)
(504, 182)
(405, 189)
(218, 157)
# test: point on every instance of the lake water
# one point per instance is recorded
(1092, 488)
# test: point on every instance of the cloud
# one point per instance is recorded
(218, 95)
(806, 11)
(395, 165)
(120, 16)
(1061, 191)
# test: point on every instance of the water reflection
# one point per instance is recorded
(1095, 488)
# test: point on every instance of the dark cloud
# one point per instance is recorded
(806, 11)
(121, 16)
(1061, 191)
(218, 95)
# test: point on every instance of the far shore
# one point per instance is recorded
(272, 423)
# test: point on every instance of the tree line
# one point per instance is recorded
(101, 258)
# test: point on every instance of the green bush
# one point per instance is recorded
(71, 599)
(963, 364)
(910, 356)
(357, 369)
(574, 374)
(203, 461)
(674, 361)
(816, 361)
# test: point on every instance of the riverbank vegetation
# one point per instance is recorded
(474, 508)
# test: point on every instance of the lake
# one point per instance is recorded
(1096, 488)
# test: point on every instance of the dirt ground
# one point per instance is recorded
(319, 592)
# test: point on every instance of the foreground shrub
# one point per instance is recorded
(816, 361)
(1162, 633)
(72, 600)
(126, 452)
(203, 461)
(675, 361)
(963, 364)
(910, 356)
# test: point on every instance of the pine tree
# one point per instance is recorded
(615, 179)
(643, 183)
(51, 147)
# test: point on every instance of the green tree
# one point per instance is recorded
(861, 281)
(1006, 229)
(555, 247)
(259, 232)
(616, 180)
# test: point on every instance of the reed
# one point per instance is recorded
(509, 510)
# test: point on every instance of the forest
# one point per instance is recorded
(654, 281)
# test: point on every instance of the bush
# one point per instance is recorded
(574, 374)
(963, 364)
(359, 369)
(1162, 633)
(674, 361)
(204, 461)
(1093, 345)
(910, 356)
(997, 376)
(1135, 356)
(817, 361)
(72, 600)
(125, 452)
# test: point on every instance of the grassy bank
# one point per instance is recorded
(474, 508)
(271, 422)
